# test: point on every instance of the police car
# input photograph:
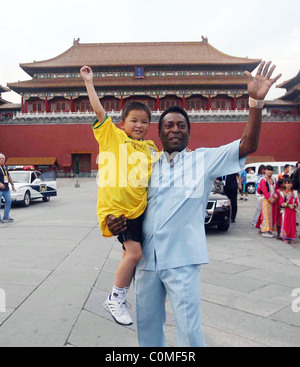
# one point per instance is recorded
(32, 185)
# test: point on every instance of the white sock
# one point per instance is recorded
(119, 294)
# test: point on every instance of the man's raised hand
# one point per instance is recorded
(259, 86)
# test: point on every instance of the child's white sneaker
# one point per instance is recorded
(118, 310)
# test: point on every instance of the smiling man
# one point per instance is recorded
(174, 242)
(174, 128)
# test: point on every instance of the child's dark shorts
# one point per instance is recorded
(134, 231)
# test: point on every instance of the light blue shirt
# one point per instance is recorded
(257, 181)
(173, 228)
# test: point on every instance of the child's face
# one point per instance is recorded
(136, 124)
(288, 186)
(269, 173)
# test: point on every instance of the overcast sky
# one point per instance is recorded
(40, 30)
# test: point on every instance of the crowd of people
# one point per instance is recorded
(278, 200)
(277, 209)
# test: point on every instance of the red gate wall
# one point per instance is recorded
(278, 139)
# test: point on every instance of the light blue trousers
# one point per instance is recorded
(183, 287)
(7, 207)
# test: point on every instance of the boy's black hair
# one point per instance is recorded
(130, 106)
(288, 180)
(286, 166)
(269, 168)
(174, 109)
(280, 182)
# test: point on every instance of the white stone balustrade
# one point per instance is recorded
(117, 114)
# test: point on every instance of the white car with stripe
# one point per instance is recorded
(32, 185)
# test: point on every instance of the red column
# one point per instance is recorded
(22, 105)
(183, 101)
(209, 102)
(235, 102)
(71, 104)
(46, 105)
(122, 103)
(157, 102)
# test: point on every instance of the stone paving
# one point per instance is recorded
(56, 271)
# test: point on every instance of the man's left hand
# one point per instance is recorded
(116, 225)
(258, 86)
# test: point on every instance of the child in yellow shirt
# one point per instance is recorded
(125, 165)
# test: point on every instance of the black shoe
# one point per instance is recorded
(232, 220)
(8, 220)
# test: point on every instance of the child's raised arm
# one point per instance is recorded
(87, 75)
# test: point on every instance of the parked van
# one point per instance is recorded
(253, 169)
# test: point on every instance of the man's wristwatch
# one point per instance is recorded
(254, 103)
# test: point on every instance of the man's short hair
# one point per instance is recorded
(174, 109)
(286, 166)
(269, 168)
(2, 155)
(130, 106)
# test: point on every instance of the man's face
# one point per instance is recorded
(174, 133)
(2, 160)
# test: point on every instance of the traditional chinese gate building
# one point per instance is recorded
(7, 109)
(291, 100)
(194, 75)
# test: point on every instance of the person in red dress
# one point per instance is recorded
(288, 202)
(280, 188)
(267, 221)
